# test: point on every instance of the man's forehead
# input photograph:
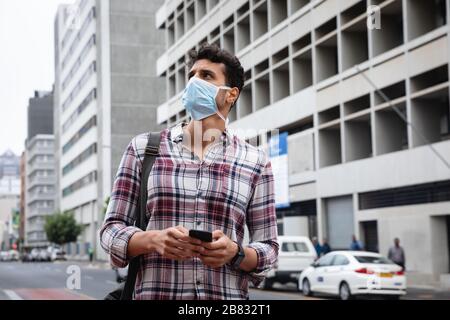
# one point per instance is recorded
(205, 64)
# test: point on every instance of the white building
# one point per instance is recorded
(106, 92)
(40, 188)
(354, 166)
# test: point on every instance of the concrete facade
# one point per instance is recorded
(107, 91)
(351, 157)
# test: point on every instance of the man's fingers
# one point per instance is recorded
(174, 243)
(218, 244)
(186, 238)
(182, 229)
(175, 233)
(217, 234)
(178, 252)
(181, 233)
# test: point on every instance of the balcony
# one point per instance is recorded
(41, 196)
(40, 151)
(39, 212)
(40, 181)
(40, 165)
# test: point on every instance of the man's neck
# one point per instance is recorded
(202, 133)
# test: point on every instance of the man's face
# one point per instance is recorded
(215, 73)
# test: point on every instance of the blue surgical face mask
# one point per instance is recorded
(199, 99)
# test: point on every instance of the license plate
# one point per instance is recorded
(385, 275)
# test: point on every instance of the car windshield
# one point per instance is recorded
(295, 247)
(373, 260)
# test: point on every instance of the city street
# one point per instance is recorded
(36, 281)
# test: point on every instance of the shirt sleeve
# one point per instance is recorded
(118, 226)
(262, 224)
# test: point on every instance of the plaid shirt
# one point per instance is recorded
(232, 187)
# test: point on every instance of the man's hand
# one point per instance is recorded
(175, 243)
(172, 243)
(219, 252)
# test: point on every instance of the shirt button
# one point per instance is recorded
(198, 282)
(199, 223)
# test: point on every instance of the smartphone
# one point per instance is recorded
(204, 236)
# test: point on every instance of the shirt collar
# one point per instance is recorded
(176, 134)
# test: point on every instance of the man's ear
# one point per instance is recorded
(233, 96)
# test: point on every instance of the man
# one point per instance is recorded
(325, 246)
(206, 179)
(397, 254)
(356, 245)
(91, 254)
(317, 246)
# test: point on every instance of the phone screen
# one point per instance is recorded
(204, 236)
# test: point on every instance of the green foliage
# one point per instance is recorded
(105, 207)
(61, 228)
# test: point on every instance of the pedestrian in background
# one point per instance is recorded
(91, 254)
(317, 246)
(356, 245)
(397, 254)
(325, 247)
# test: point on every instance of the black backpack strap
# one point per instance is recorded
(151, 153)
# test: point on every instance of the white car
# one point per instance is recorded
(296, 254)
(352, 273)
(4, 256)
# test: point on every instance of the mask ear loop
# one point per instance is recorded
(226, 120)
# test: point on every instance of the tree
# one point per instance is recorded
(105, 207)
(61, 228)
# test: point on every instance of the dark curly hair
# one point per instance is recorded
(234, 72)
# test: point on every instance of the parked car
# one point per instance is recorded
(4, 256)
(44, 255)
(26, 257)
(296, 254)
(353, 273)
(34, 254)
(57, 254)
(13, 255)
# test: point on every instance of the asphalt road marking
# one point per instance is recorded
(12, 295)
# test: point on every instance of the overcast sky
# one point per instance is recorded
(26, 63)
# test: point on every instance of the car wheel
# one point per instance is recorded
(306, 288)
(344, 292)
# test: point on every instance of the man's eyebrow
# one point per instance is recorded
(201, 71)
(191, 74)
